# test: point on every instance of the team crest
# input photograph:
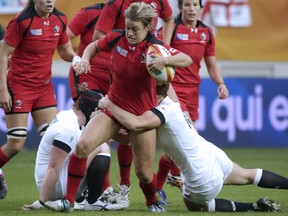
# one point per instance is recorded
(154, 6)
(203, 37)
(18, 104)
(56, 30)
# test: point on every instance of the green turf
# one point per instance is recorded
(22, 190)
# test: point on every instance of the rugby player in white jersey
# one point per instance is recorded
(205, 168)
(55, 149)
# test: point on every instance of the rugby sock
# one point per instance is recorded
(95, 176)
(3, 158)
(270, 180)
(163, 169)
(175, 171)
(125, 157)
(106, 182)
(149, 190)
(76, 171)
(223, 205)
(80, 192)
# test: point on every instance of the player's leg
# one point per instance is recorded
(98, 130)
(144, 147)
(259, 177)
(164, 165)
(97, 167)
(125, 158)
(16, 135)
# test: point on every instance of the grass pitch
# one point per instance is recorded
(19, 173)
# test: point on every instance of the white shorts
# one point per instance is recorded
(60, 188)
(211, 184)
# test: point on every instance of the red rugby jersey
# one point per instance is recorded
(112, 16)
(195, 42)
(35, 41)
(132, 88)
(83, 24)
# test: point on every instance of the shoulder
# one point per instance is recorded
(98, 6)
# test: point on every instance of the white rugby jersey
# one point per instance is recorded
(64, 128)
(195, 156)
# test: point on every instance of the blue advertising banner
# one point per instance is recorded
(254, 115)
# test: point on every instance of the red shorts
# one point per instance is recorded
(93, 81)
(189, 99)
(26, 99)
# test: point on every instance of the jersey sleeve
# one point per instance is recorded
(210, 48)
(107, 17)
(166, 11)
(14, 33)
(78, 23)
(107, 43)
(67, 136)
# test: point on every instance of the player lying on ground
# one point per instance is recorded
(205, 167)
(55, 150)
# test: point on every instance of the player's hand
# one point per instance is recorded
(222, 91)
(157, 64)
(95, 113)
(5, 100)
(104, 102)
(81, 67)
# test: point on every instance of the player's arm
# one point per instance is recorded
(5, 98)
(59, 152)
(147, 120)
(70, 33)
(167, 29)
(216, 76)
(66, 51)
(98, 34)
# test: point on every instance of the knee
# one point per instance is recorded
(144, 175)
(82, 149)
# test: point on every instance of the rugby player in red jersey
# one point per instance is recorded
(31, 40)
(132, 89)
(112, 17)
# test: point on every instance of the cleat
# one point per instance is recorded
(174, 181)
(116, 192)
(3, 185)
(161, 197)
(111, 194)
(34, 206)
(156, 207)
(266, 205)
(79, 205)
(61, 205)
(102, 205)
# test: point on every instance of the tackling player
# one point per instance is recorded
(205, 168)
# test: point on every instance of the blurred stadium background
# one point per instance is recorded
(252, 52)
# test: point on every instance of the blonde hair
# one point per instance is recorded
(29, 3)
(140, 12)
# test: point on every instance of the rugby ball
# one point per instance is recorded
(167, 73)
